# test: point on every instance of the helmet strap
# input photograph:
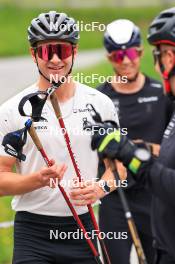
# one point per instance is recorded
(165, 76)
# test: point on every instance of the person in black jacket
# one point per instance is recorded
(139, 102)
(157, 174)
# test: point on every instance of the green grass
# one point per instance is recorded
(15, 20)
(6, 234)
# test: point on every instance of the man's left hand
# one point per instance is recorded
(84, 193)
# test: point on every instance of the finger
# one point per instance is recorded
(83, 202)
(49, 178)
(74, 183)
(89, 182)
(62, 171)
(106, 163)
(156, 149)
(55, 170)
(120, 166)
(78, 184)
(77, 197)
(79, 191)
(52, 162)
(89, 196)
(122, 172)
(49, 174)
(47, 171)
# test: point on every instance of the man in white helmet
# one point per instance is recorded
(145, 112)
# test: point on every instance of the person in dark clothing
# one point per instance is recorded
(145, 112)
(158, 174)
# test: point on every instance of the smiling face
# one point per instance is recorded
(127, 67)
(59, 63)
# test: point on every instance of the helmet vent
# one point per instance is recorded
(159, 25)
(162, 28)
(43, 27)
(166, 15)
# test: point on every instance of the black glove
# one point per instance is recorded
(111, 144)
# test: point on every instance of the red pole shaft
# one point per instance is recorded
(76, 217)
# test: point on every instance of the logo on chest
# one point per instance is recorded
(169, 128)
(142, 100)
(41, 125)
(79, 110)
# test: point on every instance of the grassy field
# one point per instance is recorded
(6, 235)
(15, 20)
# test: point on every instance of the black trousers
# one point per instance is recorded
(41, 239)
(163, 258)
(111, 218)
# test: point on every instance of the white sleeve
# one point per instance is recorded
(110, 112)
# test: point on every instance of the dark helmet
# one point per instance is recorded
(162, 29)
(121, 34)
(53, 25)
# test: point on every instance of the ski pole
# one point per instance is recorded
(40, 148)
(131, 224)
(129, 218)
(58, 114)
(37, 101)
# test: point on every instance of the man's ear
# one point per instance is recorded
(168, 60)
(171, 59)
(32, 52)
(108, 57)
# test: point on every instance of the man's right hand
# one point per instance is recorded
(13, 183)
(53, 172)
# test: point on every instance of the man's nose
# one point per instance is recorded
(55, 59)
(126, 60)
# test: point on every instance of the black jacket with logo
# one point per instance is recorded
(161, 180)
(145, 114)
